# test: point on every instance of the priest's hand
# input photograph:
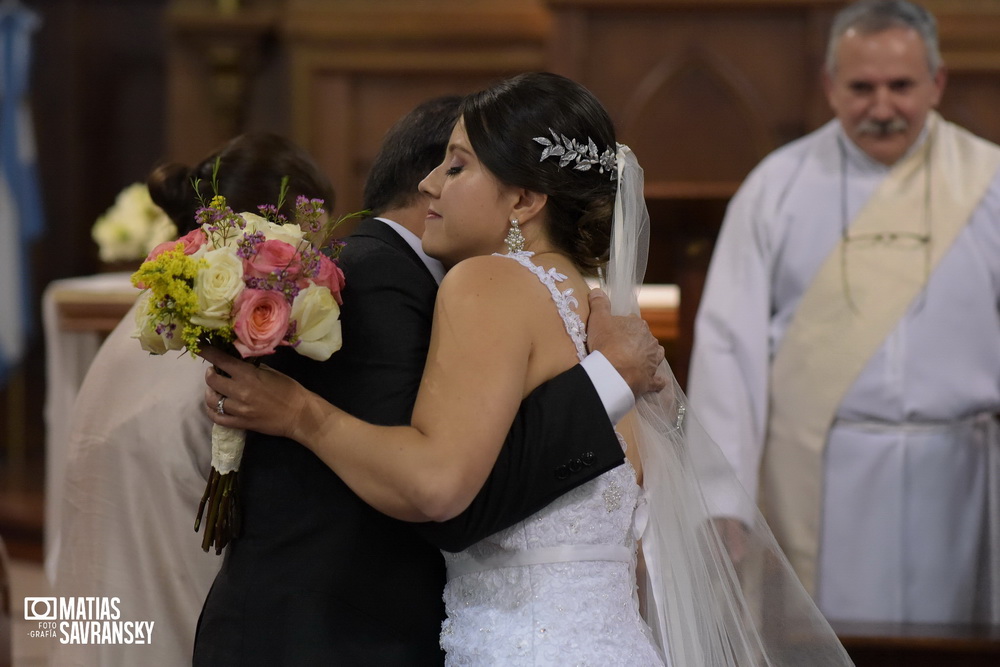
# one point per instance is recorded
(626, 342)
(735, 537)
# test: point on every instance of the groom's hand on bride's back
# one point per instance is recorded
(626, 341)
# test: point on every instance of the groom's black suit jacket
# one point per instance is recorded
(320, 578)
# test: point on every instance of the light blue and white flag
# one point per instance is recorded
(21, 219)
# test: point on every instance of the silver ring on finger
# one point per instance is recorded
(220, 407)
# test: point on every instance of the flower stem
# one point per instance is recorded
(222, 521)
(213, 482)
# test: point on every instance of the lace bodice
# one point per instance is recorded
(559, 587)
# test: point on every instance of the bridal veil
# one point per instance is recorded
(710, 601)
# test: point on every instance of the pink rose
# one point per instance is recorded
(272, 256)
(261, 321)
(160, 249)
(331, 277)
(191, 241)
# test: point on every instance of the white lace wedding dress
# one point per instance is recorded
(559, 587)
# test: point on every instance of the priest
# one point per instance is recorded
(847, 346)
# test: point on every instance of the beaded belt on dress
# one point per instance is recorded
(541, 556)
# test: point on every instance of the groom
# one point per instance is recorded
(318, 576)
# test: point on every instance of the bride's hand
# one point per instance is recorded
(254, 398)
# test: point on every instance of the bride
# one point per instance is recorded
(533, 195)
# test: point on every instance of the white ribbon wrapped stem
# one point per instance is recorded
(227, 448)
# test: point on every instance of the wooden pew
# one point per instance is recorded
(920, 645)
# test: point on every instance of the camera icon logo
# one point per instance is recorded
(40, 609)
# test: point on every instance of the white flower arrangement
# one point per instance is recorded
(132, 227)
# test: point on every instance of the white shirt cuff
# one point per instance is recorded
(610, 385)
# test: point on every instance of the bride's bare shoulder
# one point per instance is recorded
(486, 275)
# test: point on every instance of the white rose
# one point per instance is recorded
(217, 285)
(289, 233)
(145, 330)
(317, 318)
(254, 222)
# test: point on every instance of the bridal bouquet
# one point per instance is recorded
(249, 283)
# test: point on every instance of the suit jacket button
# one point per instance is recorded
(588, 459)
(562, 472)
(575, 465)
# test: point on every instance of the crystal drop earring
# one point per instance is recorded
(515, 239)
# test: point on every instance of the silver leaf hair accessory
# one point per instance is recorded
(585, 155)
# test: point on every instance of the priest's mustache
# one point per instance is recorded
(883, 128)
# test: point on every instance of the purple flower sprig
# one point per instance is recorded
(246, 247)
(219, 221)
(271, 213)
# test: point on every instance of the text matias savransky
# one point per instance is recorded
(85, 620)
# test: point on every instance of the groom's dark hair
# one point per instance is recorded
(412, 148)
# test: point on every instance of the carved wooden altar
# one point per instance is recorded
(701, 89)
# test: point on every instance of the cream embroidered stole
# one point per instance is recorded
(832, 336)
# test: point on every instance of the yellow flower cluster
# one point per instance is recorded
(170, 280)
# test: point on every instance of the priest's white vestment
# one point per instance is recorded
(905, 527)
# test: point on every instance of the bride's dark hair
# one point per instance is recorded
(251, 167)
(502, 122)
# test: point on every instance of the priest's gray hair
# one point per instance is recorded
(873, 16)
